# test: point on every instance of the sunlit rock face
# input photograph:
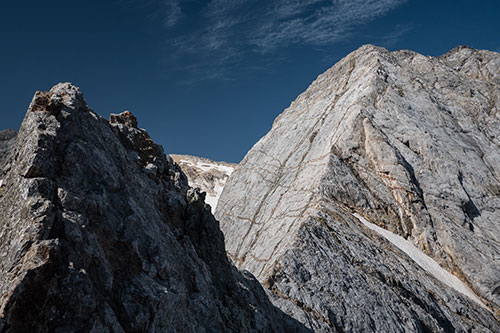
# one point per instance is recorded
(100, 232)
(407, 142)
(205, 174)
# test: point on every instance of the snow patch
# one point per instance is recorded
(209, 167)
(423, 260)
(213, 190)
(213, 199)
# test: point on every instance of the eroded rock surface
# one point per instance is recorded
(100, 232)
(7, 139)
(208, 175)
(408, 142)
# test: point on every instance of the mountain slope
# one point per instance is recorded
(407, 142)
(208, 175)
(100, 232)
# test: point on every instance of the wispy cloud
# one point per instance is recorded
(172, 13)
(223, 32)
(316, 22)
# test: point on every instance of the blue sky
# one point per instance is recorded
(208, 77)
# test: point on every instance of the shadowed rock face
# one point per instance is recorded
(100, 232)
(7, 138)
(410, 143)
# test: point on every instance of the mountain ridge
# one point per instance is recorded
(372, 205)
(100, 231)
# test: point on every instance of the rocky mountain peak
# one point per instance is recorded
(100, 232)
(62, 95)
(393, 140)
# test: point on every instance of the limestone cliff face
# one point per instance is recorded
(404, 141)
(208, 175)
(100, 232)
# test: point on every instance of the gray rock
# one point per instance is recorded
(100, 232)
(7, 139)
(406, 141)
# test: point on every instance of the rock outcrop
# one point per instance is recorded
(208, 175)
(100, 232)
(407, 142)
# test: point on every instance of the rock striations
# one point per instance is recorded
(380, 180)
(205, 174)
(100, 232)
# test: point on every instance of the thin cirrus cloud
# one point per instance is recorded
(224, 32)
(173, 13)
(317, 22)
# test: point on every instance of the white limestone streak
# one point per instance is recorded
(423, 260)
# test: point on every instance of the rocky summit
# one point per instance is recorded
(373, 203)
(100, 232)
